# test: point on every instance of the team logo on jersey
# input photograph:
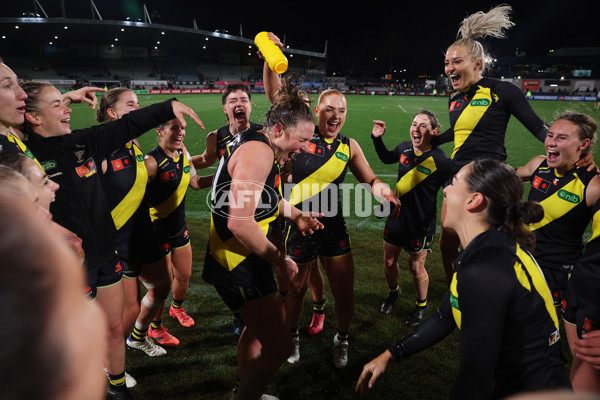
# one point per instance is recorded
(87, 169)
(540, 184)
(480, 103)
(79, 154)
(168, 176)
(568, 196)
(314, 149)
(120, 164)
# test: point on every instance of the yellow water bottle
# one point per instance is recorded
(271, 52)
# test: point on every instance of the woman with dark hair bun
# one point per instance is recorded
(481, 107)
(498, 298)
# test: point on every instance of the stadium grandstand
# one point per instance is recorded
(158, 58)
(71, 52)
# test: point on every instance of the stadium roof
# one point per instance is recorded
(18, 34)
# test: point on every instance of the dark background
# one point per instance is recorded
(408, 35)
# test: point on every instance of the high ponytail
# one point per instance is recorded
(480, 25)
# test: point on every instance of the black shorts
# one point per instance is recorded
(108, 274)
(576, 312)
(236, 297)
(557, 280)
(174, 241)
(144, 249)
(331, 241)
(413, 242)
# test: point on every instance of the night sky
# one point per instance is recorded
(394, 34)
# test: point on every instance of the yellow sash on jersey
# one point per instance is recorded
(321, 178)
(528, 273)
(132, 200)
(14, 139)
(231, 252)
(471, 115)
(537, 279)
(454, 301)
(174, 200)
(558, 205)
(415, 176)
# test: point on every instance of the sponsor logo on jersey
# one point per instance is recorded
(341, 156)
(454, 302)
(423, 170)
(540, 184)
(86, 169)
(455, 105)
(404, 160)
(568, 196)
(480, 103)
(49, 165)
(28, 153)
(186, 169)
(168, 176)
(314, 149)
(120, 164)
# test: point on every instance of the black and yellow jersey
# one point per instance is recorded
(228, 261)
(125, 182)
(12, 144)
(317, 174)
(420, 176)
(584, 282)
(559, 235)
(224, 136)
(74, 162)
(166, 192)
(479, 116)
(509, 330)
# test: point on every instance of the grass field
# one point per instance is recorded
(203, 366)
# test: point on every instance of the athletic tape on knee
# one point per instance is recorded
(421, 257)
(147, 302)
(423, 277)
(156, 283)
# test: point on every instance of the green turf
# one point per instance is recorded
(203, 366)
